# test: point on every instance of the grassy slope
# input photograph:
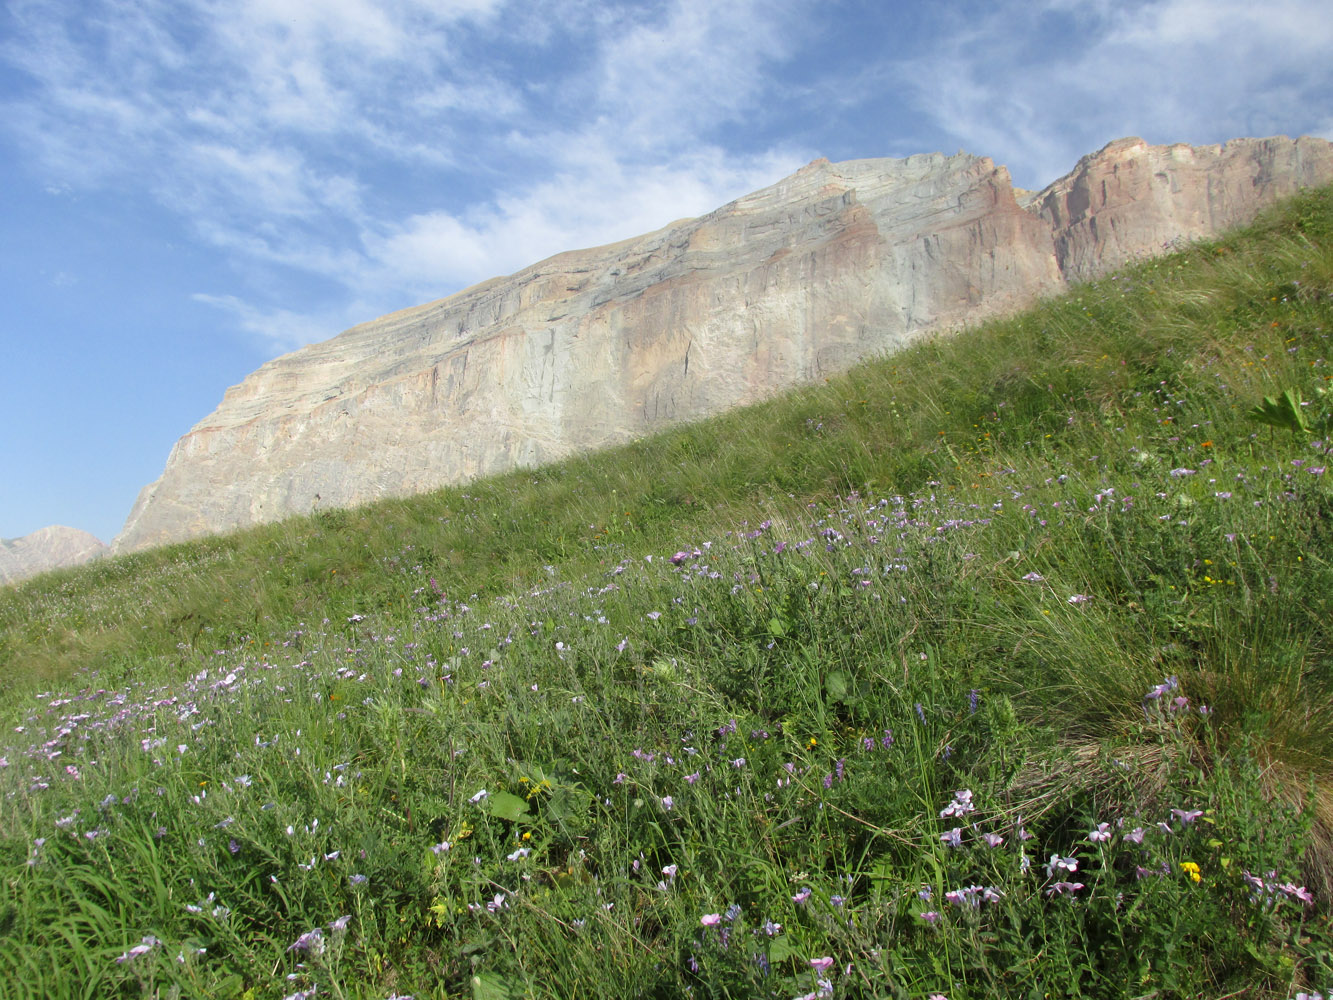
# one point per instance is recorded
(895, 550)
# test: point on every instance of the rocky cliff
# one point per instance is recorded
(45, 549)
(595, 347)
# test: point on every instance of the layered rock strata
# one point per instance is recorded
(45, 549)
(596, 347)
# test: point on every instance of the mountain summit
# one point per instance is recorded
(595, 347)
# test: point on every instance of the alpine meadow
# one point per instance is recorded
(1001, 666)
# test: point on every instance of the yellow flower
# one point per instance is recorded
(1192, 870)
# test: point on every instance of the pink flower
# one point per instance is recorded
(821, 964)
(711, 919)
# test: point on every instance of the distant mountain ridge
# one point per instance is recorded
(54, 547)
(595, 347)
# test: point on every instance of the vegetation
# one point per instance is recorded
(1000, 667)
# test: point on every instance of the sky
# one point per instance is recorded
(189, 188)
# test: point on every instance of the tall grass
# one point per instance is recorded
(997, 667)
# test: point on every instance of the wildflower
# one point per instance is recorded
(960, 806)
(992, 839)
(1186, 816)
(1135, 836)
(692, 778)
(821, 964)
(1101, 834)
(1033, 577)
(311, 942)
(522, 852)
(670, 871)
(340, 925)
(800, 898)
(1296, 892)
(146, 945)
(668, 803)
(1064, 887)
(1078, 598)
(931, 917)
(952, 838)
(1192, 870)
(478, 797)
(441, 847)
(1168, 685)
(711, 919)
(771, 928)
(1059, 864)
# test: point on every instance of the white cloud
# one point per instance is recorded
(277, 128)
(281, 330)
(595, 200)
(1035, 85)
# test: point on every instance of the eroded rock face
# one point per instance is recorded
(596, 347)
(45, 549)
(1131, 199)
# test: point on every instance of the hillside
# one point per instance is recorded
(998, 667)
(780, 288)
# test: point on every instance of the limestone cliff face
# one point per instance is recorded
(1131, 198)
(596, 347)
(46, 549)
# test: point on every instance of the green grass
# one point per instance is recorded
(728, 678)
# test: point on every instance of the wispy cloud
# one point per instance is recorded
(391, 151)
(281, 131)
(1035, 85)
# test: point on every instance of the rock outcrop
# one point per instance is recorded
(596, 347)
(45, 549)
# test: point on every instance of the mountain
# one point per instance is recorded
(596, 347)
(47, 548)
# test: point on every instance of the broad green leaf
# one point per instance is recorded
(780, 949)
(506, 805)
(489, 986)
(836, 685)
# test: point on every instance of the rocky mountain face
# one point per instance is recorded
(45, 549)
(596, 347)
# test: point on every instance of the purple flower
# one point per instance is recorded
(143, 948)
(1186, 816)
(311, 942)
(800, 898)
(1063, 887)
(1101, 834)
(952, 838)
(1059, 864)
(960, 806)
(1168, 685)
(821, 964)
(931, 916)
(711, 919)
(1135, 836)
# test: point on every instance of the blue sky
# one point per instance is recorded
(191, 187)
